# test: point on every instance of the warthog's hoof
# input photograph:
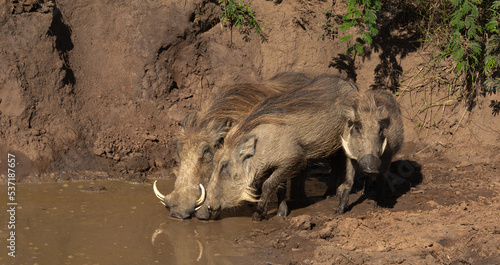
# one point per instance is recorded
(340, 210)
(257, 217)
(283, 210)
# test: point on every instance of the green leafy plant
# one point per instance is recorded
(363, 15)
(473, 42)
(240, 15)
(492, 58)
(466, 31)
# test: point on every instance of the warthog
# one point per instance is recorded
(373, 135)
(203, 134)
(275, 142)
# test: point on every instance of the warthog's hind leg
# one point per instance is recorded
(282, 206)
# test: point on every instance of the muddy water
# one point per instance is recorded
(115, 223)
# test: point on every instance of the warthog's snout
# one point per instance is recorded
(179, 211)
(370, 164)
(180, 214)
(208, 212)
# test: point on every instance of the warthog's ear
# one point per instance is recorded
(349, 114)
(385, 123)
(349, 106)
(382, 112)
(190, 120)
(247, 149)
(220, 129)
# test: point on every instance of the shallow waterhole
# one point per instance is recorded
(115, 223)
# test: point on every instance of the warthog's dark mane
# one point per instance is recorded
(278, 108)
(232, 103)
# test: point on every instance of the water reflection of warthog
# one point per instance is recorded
(203, 134)
(373, 135)
(184, 241)
(275, 142)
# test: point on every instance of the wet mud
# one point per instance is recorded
(114, 222)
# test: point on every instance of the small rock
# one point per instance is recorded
(278, 245)
(433, 203)
(327, 232)
(465, 164)
(302, 222)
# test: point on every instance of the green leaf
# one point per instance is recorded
(470, 21)
(347, 25)
(492, 26)
(460, 65)
(359, 48)
(466, 7)
(475, 61)
(474, 11)
(458, 55)
(491, 63)
(370, 16)
(458, 24)
(366, 37)
(476, 48)
(346, 38)
(456, 3)
(471, 33)
(357, 13)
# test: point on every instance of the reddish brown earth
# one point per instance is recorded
(96, 90)
(450, 217)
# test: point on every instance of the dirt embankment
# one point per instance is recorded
(99, 88)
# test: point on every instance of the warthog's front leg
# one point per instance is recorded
(261, 208)
(271, 185)
(345, 189)
(337, 172)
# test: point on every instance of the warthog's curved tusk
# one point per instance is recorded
(345, 144)
(384, 145)
(158, 193)
(200, 200)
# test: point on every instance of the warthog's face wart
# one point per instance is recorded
(364, 138)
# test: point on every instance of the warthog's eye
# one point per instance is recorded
(224, 169)
(219, 143)
(207, 155)
(357, 127)
(385, 123)
(381, 133)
